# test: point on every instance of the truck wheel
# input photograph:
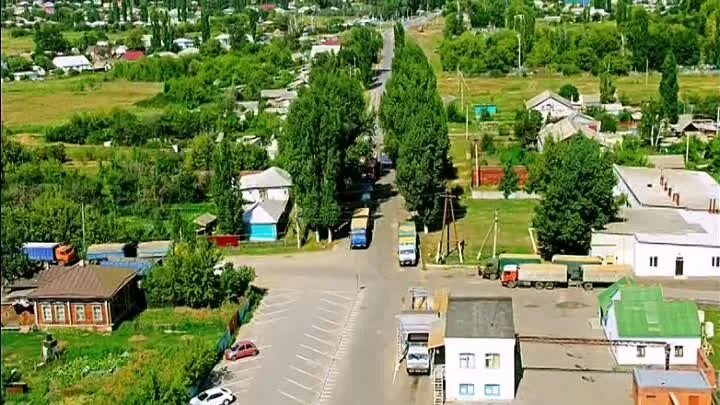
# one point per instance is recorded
(511, 284)
(549, 286)
(493, 276)
(588, 286)
(539, 285)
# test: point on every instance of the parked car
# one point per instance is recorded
(214, 396)
(240, 350)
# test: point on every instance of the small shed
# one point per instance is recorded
(262, 218)
(206, 223)
(156, 249)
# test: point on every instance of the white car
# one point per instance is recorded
(214, 396)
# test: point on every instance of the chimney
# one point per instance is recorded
(669, 190)
(661, 179)
(677, 199)
(710, 205)
(665, 185)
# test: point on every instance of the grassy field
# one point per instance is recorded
(514, 218)
(53, 101)
(26, 44)
(712, 314)
(510, 93)
(66, 381)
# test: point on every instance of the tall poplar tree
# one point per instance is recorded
(669, 88)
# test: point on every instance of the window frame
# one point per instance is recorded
(468, 359)
(715, 260)
(492, 390)
(80, 312)
(679, 349)
(60, 309)
(99, 308)
(640, 351)
(47, 309)
(469, 391)
(654, 261)
(489, 357)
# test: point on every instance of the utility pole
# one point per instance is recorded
(647, 70)
(717, 123)
(477, 167)
(445, 232)
(82, 217)
(687, 148)
(519, 53)
(467, 122)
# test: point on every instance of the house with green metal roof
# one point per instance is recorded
(642, 317)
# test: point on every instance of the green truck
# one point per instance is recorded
(494, 267)
(407, 244)
(574, 262)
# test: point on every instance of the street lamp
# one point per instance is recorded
(521, 17)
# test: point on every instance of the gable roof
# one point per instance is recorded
(573, 124)
(273, 177)
(605, 298)
(205, 219)
(70, 61)
(642, 313)
(533, 102)
(132, 55)
(265, 212)
(84, 282)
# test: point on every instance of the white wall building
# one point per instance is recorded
(183, 43)
(671, 227)
(318, 49)
(550, 105)
(75, 62)
(271, 184)
(479, 349)
(641, 314)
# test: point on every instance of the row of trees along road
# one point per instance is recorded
(326, 127)
(416, 134)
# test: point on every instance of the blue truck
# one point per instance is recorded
(359, 233)
(50, 252)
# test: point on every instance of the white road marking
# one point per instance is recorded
(298, 384)
(315, 350)
(292, 397)
(327, 310)
(331, 302)
(244, 370)
(317, 339)
(262, 314)
(243, 381)
(274, 304)
(337, 295)
(322, 329)
(264, 321)
(308, 360)
(305, 372)
(326, 320)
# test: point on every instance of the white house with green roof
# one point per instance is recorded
(633, 313)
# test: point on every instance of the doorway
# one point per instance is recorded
(679, 266)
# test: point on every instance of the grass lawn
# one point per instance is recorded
(284, 246)
(66, 381)
(510, 93)
(712, 314)
(53, 101)
(514, 218)
(26, 44)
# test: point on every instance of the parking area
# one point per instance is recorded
(302, 336)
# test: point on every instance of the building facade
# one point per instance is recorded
(480, 349)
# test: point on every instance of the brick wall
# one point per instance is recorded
(660, 396)
(492, 175)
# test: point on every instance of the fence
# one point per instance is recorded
(226, 340)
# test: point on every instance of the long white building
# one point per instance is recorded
(670, 227)
(479, 349)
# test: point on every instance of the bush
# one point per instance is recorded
(453, 114)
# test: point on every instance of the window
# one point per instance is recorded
(80, 312)
(679, 351)
(97, 313)
(492, 360)
(60, 313)
(650, 396)
(492, 390)
(653, 261)
(47, 313)
(715, 261)
(467, 389)
(640, 351)
(467, 360)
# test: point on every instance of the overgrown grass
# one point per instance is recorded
(26, 44)
(712, 314)
(55, 101)
(284, 246)
(510, 93)
(153, 330)
(514, 217)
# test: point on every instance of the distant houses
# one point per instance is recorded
(77, 63)
(550, 105)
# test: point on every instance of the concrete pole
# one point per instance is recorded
(495, 223)
(467, 121)
(687, 148)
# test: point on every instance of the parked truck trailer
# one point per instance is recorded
(549, 276)
(407, 244)
(494, 266)
(573, 262)
(359, 233)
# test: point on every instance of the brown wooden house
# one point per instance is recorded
(89, 297)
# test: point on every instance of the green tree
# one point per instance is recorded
(527, 126)
(204, 21)
(621, 12)
(607, 88)
(638, 37)
(487, 144)
(454, 25)
(144, 15)
(49, 38)
(200, 155)
(134, 40)
(669, 89)
(226, 196)
(509, 182)
(234, 282)
(577, 196)
(570, 92)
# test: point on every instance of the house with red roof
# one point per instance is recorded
(131, 56)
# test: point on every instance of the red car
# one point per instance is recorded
(240, 350)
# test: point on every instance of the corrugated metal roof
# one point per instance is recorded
(88, 282)
(640, 313)
(105, 247)
(605, 297)
(671, 379)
